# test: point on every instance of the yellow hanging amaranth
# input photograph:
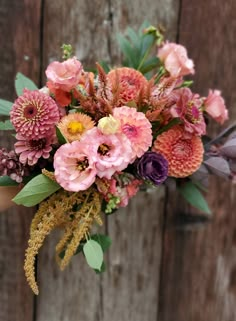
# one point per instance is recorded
(75, 212)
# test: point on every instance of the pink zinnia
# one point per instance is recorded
(113, 151)
(34, 115)
(31, 150)
(74, 166)
(136, 127)
(188, 107)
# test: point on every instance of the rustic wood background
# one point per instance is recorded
(166, 263)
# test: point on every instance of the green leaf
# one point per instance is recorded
(103, 240)
(23, 82)
(93, 254)
(61, 138)
(5, 107)
(39, 188)
(102, 269)
(173, 122)
(192, 195)
(134, 37)
(128, 51)
(7, 181)
(6, 125)
(149, 65)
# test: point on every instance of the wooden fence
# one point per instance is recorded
(166, 263)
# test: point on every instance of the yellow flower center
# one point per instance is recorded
(75, 127)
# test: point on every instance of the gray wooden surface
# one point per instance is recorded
(164, 265)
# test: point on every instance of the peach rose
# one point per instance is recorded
(64, 75)
(176, 60)
(215, 106)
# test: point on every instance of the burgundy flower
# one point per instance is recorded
(11, 166)
(152, 166)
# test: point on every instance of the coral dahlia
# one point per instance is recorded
(130, 83)
(136, 127)
(73, 126)
(34, 115)
(183, 151)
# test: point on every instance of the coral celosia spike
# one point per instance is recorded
(102, 75)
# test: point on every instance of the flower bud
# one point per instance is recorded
(108, 125)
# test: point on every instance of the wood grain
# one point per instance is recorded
(129, 289)
(19, 40)
(198, 267)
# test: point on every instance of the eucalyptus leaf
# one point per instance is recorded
(39, 188)
(193, 196)
(229, 148)
(7, 181)
(23, 82)
(93, 254)
(6, 125)
(5, 107)
(218, 166)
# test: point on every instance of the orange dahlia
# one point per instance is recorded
(183, 151)
(73, 126)
(130, 83)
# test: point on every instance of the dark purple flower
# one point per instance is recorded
(152, 166)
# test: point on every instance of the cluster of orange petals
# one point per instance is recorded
(183, 151)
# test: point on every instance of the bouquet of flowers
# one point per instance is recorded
(89, 141)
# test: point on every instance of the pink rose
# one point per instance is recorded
(215, 106)
(176, 60)
(65, 75)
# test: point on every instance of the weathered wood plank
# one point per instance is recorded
(131, 286)
(129, 289)
(75, 293)
(19, 39)
(198, 268)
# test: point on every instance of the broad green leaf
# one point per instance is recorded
(192, 194)
(147, 43)
(61, 138)
(5, 107)
(102, 269)
(134, 37)
(7, 181)
(93, 254)
(6, 125)
(128, 51)
(149, 65)
(23, 82)
(39, 188)
(103, 240)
